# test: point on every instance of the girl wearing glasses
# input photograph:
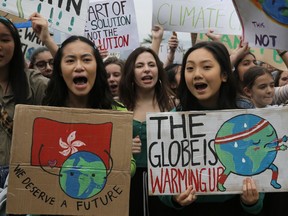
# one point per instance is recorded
(42, 60)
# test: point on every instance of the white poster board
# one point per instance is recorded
(67, 16)
(112, 25)
(197, 16)
(265, 24)
(215, 150)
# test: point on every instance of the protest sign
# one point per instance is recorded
(112, 25)
(265, 23)
(269, 56)
(215, 150)
(67, 16)
(70, 161)
(29, 42)
(196, 16)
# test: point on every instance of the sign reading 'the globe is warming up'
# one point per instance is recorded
(215, 150)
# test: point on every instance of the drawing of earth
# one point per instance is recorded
(243, 144)
(83, 175)
(278, 10)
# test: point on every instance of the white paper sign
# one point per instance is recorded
(265, 24)
(68, 16)
(214, 151)
(112, 24)
(197, 16)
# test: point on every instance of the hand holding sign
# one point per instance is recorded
(187, 197)
(136, 145)
(40, 27)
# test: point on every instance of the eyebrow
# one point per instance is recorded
(203, 61)
(83, 55)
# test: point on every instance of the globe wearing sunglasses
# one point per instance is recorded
(42, 60)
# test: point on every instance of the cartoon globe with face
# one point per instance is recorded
(83, 175)
(276, 9)
(247, 145)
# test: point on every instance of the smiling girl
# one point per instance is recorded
(259, 86)
(207, 84)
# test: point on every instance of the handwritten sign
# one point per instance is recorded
(265, 23)
(112, 25)
(269, 56)
(59, 167)
(196, 16)
(215, 151)
(29, 41)
(68, 16)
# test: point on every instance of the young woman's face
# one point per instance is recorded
(247, 62)
(114, 76)
(203, 77)
(44, 63)
(283, 78)
(146, 71)
(262, 92)
(7, 46)
(78, 66)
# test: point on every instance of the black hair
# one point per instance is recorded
(57, 90)
(17, 76)
(227, 92)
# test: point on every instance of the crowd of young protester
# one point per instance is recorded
(209, 78)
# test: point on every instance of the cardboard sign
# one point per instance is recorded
(70, 161)
(215, 151)
(112, 25)
(197, 16)
(68, 16)
(265, 23)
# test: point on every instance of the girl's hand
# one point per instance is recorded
(250, 194)
(187, 197)
(136, 145)
(40, 26)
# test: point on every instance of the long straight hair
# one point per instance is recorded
(128, 94)
(57, 90)
(227, 91)
(17, 76)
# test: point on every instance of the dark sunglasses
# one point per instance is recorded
(43, 64)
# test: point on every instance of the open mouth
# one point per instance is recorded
(147, 78)
(200, 86)
(80, 80)
(113, 87)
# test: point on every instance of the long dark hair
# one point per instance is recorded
(227, 92)
(128, 94)
(236, 75)
(17, 76)
(57, 90)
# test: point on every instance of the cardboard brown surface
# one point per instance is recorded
(57, 166)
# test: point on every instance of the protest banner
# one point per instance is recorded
(112, 25)
(197, 16)
(215, 150)
(270, 56)
(70, 161)
(265, 23)
(67, 16)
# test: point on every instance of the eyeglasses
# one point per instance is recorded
(43, 64)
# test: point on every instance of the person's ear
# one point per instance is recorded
(247, 92)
